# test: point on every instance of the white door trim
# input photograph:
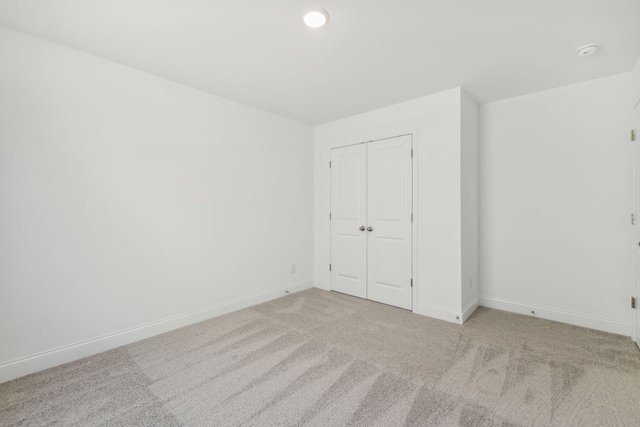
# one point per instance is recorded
(635, 288)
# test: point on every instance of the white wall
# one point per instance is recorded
(555, 186)
(127, 199)
(469, 208)
(636, 84)
(436, 119)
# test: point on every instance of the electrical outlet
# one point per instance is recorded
(293, 268)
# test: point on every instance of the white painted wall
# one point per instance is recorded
(635, 98)
(127, 199)
(436, 119)
(555, 185)
(469, 208)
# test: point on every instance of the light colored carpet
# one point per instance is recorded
(324, 359)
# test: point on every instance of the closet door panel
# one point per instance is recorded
(389, 208)
(348, 215)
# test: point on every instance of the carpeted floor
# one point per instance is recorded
(324, 359)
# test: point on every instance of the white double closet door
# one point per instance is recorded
(371, 220)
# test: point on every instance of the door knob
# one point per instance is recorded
(362, 228)
(369, 228)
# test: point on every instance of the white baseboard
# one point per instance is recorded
(438, 312)
(322, 284)
(48, 359)
(577, 319)
(469, 309)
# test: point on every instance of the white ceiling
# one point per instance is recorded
(373, 53)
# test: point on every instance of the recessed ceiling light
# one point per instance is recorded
(587, 49)
(315, 17)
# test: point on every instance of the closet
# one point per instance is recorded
(371, 220)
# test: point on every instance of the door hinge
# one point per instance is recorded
(329, 215)
(633, 135)
(329, 267)
(412, 283)
(633, 302)
(329, 165)
(412, 153)
(633, 219)
(411, 217)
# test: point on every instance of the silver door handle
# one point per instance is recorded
(369, 228)
(362, 228)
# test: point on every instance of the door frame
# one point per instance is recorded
(635, 288)
(376, 136)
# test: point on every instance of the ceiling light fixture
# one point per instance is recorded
(587, 49)
(315, 17)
